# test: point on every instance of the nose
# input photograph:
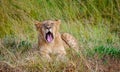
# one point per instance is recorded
(48, 27)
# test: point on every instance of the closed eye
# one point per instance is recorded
(52, 23)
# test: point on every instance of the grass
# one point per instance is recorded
(103, 51)
(95, 24)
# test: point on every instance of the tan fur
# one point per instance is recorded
(70, 41)
(56, 46)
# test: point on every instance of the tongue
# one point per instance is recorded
(49, 38)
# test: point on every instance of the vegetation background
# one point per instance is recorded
(95, 24)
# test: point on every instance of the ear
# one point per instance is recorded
(37, 24)
(58, 21)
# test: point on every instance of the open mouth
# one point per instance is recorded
(49, 36)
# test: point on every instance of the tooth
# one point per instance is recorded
(50, 30)
(47, 31)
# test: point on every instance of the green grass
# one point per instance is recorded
(103, 51)
(95, 24)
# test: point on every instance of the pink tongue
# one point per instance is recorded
(49, 38)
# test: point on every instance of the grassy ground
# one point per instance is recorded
(95, 24)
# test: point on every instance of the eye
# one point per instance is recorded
(52, 23)
(43, 25)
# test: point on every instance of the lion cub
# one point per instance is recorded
(50, 41)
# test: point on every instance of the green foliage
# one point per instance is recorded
(15, 44)
(17, 17)
(24, 46)
(103, 51)
(10, 42)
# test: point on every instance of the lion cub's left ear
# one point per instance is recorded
(37, 24)
(58, 21)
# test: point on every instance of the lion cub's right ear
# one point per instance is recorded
(37, 24)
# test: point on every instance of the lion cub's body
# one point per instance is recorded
(56, 47)
(50, 41)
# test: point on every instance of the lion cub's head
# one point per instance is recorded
(48, 29)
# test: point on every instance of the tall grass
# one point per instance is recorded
(94, 23)
(17, 16)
